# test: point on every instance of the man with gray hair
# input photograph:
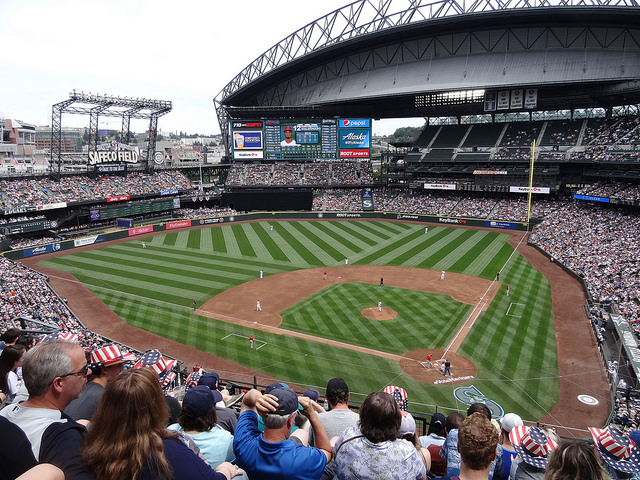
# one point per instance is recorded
(54, 373)
(272, 455)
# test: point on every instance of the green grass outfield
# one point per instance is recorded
(513, 346)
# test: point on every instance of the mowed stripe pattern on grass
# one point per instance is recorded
(154, 288)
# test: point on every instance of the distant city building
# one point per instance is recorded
(71, 139)
(17, 141)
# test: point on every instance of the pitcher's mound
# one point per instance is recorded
(374, 314)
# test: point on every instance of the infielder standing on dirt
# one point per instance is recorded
(442, 275)
(258, 307)
(379, 305)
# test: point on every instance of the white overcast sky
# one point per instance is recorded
(182, 51)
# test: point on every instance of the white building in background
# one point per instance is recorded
(17, 146)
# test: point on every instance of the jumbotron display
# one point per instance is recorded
(301, 139)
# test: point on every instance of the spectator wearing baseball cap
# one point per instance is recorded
(226, 417)
(507, 423)
(270, 454)
(106, 363)
(407, 432)
(198, 420)
(433, 441)
(339, 417)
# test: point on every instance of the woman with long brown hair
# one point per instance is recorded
(10, 360)
(128, 439)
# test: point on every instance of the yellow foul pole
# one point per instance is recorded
(533, 156)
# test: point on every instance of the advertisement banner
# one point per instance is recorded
(360, 153)
(30, 252)
(246, 140)
(243, 155)
(358, 123)
(490, 172)
(354, 138)
(439, 186)
(183, 224)
(591, 198)
(119, 198)
(139, 230)
(493, 224)
(81, 242)
(545, 190)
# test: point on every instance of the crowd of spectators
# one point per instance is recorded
(455, 205)
(600, 245)
(314, 173)
(31, 192)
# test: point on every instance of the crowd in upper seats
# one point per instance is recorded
(455, 205)
(32, 192)
(316, 173)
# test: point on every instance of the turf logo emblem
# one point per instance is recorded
(470, 395)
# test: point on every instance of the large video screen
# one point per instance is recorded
(301, 139)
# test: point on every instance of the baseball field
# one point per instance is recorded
(311, 329)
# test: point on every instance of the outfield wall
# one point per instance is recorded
(171, 225)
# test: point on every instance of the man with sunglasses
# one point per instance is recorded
(54, 373)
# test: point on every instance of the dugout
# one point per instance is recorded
(267, 199)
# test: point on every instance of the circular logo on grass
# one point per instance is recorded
(588, 399)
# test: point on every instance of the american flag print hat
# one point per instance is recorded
(108, 355)
(400, 395)
(532, 444)
(617, 449)
(154, 360)
(60, 335)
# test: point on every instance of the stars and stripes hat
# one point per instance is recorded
(60, 335)
(154, 360)
(193, 378)
(532, 444)
(400, 395)
(109, 355)
(617, 449)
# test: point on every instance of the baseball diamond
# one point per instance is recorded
(309, 324)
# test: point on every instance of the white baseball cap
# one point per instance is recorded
(511, 420)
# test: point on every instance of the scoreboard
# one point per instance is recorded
(131, 209)
(301, 139)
